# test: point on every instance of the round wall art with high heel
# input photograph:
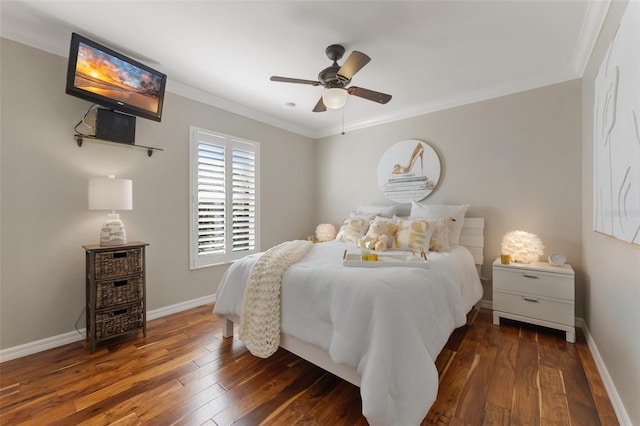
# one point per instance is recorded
(409, 170)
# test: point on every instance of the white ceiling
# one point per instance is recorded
(429, 55)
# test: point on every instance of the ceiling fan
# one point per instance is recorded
(336, 77)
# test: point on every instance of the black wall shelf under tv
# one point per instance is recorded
(80, 139)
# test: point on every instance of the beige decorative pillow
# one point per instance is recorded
(440, 237)
(436, 211)
(353, 229)
(414, 235)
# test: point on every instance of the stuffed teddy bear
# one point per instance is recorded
(371, 243)
(379, 237)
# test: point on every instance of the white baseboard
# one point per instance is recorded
(484, 303)
(75, 336)
(614, 397)
(41, 345)
(179, 307)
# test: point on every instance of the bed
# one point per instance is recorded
(378, 328)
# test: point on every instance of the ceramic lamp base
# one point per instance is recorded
(113, 232)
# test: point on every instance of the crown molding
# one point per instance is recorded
(215, 101)
(462, 99)
(487, 93)
(591, 27)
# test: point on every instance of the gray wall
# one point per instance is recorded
(612, 267)
(515, 159)
(44, 215)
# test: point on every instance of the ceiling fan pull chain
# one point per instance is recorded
(343, 120)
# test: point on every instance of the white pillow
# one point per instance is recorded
(393, 220)
(385, 210)
(436, 211)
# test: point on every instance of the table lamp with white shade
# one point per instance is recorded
(111, 194)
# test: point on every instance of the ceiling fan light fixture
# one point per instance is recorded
(334, 98)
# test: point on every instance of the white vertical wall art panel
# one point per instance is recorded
(617, 134)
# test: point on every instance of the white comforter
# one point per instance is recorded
(388, 323)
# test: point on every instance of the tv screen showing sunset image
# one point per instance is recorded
(111, 77)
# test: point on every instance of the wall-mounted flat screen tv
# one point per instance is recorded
(108, 78)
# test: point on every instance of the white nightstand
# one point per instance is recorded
(537, 293)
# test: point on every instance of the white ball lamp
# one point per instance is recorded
(523, 247)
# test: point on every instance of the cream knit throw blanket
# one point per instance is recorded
(260, 319)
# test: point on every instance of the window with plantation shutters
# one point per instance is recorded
(224, 198)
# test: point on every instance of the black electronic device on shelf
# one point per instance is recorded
(115, 127)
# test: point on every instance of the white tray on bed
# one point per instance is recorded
(386, 260)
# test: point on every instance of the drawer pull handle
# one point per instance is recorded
(120, 283)
(526, 299)
(535, 277)
(119, 255)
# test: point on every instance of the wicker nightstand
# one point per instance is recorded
(115, 293)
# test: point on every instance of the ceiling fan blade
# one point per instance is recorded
(320, 107)
(294, 80)
(352, 65)
(381, 98)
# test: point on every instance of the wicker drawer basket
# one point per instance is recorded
(118, 321)
(118, 263)
(117, 292)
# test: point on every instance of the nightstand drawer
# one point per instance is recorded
(117, 292)
(534, 307)
(550, 285)
(118, 263)
(118, 321)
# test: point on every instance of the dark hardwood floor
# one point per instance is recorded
(185, 373)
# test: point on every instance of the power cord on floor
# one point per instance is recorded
(78, 320)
